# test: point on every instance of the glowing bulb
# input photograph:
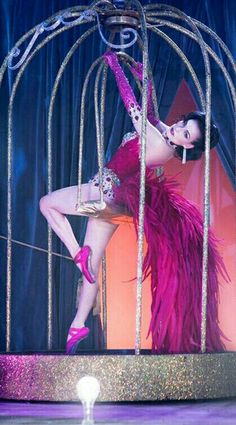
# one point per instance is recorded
(88, 389)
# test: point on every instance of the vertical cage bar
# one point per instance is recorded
(104, 299)
(142, 182)
(9, 228)
(104, 271)
(206, 213)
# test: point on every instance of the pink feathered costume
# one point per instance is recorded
(174, 234)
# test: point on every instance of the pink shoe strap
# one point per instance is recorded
(83, 252)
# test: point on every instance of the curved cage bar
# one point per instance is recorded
(42, 43)
(53, 95)
(205, 28)
(186, 62)
(129, 62)
(100, 149)
(219, 41)
(79, 205)
(9, 172)
(150, 74)
(49, 25)
(49, 146)
(211, 52)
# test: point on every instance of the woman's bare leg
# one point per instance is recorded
(98, 234)
(54, 207)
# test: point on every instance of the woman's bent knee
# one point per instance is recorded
(44, 204)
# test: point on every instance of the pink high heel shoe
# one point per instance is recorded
(82, 259)
(76, 336)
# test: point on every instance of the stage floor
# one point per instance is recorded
(217, 412)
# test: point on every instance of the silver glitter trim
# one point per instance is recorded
(122, 377)
(128, 136)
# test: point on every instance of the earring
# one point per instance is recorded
(184, 155)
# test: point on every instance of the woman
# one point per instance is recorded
(172, 225)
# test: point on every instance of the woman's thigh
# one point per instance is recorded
(98, 235)
(65, 200)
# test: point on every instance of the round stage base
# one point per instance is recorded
(122, 377)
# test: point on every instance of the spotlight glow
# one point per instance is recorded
(88, 389)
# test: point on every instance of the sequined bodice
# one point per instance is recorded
(125, 161)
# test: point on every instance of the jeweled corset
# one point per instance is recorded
(125, 161)
(124, 164)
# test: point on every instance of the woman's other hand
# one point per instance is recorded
(137, 70)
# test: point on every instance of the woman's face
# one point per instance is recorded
(184, 133)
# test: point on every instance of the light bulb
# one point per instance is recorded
(88, 389)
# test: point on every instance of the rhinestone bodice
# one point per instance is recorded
(125, 161)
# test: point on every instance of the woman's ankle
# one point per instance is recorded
(75, 251)
(77, 324)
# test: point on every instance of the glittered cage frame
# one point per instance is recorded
(150, 18)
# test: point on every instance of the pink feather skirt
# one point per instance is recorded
(174, 233)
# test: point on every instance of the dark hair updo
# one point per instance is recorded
(199, 144)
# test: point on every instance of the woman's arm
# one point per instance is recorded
(125, 90)
(137, 71)
(128, 97)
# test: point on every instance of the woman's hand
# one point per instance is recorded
(110, 58)
(137, 70)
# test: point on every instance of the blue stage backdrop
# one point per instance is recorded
(29, 280)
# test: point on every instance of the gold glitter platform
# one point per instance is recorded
(122, 377)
